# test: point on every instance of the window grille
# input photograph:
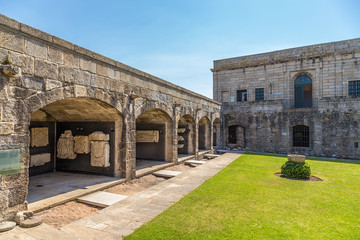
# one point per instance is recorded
(301, 136)
(259, 94)
(354, 88)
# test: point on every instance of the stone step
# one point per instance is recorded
(6, 226)
(166, 173)
(190, 162)
(102, 199)
(211, 156)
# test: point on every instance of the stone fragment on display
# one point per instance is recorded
(65, 146)
(82, 144)
(39, 136)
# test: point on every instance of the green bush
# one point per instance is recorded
(296, 170)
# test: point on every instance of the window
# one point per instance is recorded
(301, 136)
(232, 134)
(241, 95)
(259, 94)
(354, 88)
(303, 92)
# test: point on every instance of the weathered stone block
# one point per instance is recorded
(31, 82)
(39, 136)
(45, 69)
(6, 128)
(65, 146)
(55, 56)
(26, 63)
(17, 195)
(51, 84)
(14, 180)
(80, 91)
(11, 41)
(70, 60)
(82, 144)
(102, 70)
(87, 65)
(99, 136)
(35, 49)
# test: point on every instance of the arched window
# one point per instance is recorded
(301, 136)
(303, 92)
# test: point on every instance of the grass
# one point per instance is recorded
(247, 201)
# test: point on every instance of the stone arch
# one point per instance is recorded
(186, 135)
(154, 135)
(204, 133)
(73, 133)
(143, 105)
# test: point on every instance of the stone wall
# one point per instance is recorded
(333, 119)
(45, 78)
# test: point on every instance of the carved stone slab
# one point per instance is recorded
(100, 154)
(40, 159)
(147, 136)
(82, 144)
(39, 137)
(99, 136)
(65, 146)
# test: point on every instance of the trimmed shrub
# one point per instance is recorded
(296, 170)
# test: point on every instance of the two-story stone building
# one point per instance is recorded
(303, 99)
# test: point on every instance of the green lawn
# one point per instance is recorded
(247, 201)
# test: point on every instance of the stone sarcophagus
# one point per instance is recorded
(65, 146)
(100, 149)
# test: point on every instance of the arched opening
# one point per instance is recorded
(71, 141)
(303, 92)
(301, 136)
(154, 138)
(216, 133)
(236, 136)
(186, 135)
(204, 134)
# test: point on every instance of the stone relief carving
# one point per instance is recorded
(65, 146)
(40, 159)
(147, 136)
(100, 149)
(82, 144)
(39, 136)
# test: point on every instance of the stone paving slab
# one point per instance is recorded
(122, 218)
(189, 162)
(166, 173)
(102, 199)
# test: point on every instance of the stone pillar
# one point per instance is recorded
(211, 136)
(118, 171)
(197, 134)
(175, 123)
(130, 126)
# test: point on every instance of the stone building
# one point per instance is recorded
(65, 108)
(299, 100)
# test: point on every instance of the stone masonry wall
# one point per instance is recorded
(48, 69)
(333, 119)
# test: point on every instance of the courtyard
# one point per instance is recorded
(247, 200)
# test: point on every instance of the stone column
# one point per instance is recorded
(197, 134)
(176, 116)
(130, 126)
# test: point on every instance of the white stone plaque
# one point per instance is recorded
(40, 159)
(39, 136)
(147, 136)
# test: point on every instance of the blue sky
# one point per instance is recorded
(178, 40)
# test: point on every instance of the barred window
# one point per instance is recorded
(259, 94)
(301, 136)
(241, 95)
(354, 88)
